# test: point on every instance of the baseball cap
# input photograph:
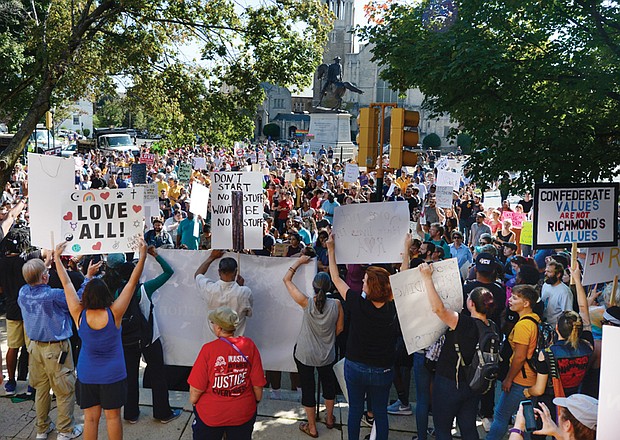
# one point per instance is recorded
(511, 246)
(115, 260)
(298, 219)
(612, 314)
(583, 408)
(485, 262)
(225, 317)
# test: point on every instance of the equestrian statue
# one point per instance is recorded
(333, 88)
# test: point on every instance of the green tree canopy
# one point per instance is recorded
(272, 130)
(432, 141)
(535, 83)
(52, 52)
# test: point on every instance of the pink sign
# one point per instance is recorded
(517, 218)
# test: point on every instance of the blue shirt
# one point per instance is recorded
(45, 312)
(462, 254)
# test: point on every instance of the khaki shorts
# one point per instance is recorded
(16, 334)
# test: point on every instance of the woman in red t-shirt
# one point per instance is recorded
(226, 382)
(285, 205)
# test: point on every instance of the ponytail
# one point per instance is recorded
(319, 300)
(321, 284)
(569, 327)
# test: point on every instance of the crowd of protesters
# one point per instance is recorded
(507, 284)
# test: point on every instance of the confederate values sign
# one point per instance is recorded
(575, 213)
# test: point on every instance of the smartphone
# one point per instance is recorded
(528, 413)
(62, 357)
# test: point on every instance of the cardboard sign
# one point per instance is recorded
(147, 158)
(181, 311)
(199, 200)
(601, 265)
(517, 218)
(138, 173)
(420, 326)
(448, 178)
(102, 221)
(48, 176)
(585, 214)
(351, 172)
(370, 232)
(527, 233)
(185, 171)
(280, 250)
(200, 163)
(608, 422)
(248, 220)
(444, 196)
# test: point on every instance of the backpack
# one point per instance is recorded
(484, 368)
(544, 340)
(135, 328)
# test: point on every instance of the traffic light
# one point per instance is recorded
(401, 135)
(368, 125)
(48, 120)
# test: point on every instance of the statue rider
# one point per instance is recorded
(334, 74)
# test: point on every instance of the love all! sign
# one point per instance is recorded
(105, 221)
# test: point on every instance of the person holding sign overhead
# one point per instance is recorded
(368, 368)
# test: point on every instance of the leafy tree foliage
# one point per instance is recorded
(272, 130)
(52, 52)
(432, 141)
(535, 83)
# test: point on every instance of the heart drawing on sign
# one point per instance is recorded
(137, 208)
(105, 195)
(97, 246)
(68, 216)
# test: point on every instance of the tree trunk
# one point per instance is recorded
(12, 153)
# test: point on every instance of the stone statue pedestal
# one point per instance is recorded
(332, 129)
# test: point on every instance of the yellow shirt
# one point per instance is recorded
(403, 182)
(161, 185)
(525, 332)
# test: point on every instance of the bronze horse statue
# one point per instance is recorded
(334, 89)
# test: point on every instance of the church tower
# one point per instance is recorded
(340, 39)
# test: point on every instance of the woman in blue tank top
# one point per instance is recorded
(102, 377)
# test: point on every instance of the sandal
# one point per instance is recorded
(330, 425)
(305, 428)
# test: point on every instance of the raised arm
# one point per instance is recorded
(73, 302)
(342, 287)
(405, 263)
(449, 317)
(119, 306)
(293, 290)
(214, 255)
(151, 286)
(582, 299)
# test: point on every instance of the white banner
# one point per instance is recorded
(608, 423)
(199, 204)
(585, 214)
(420, 326)
(181, 312)
(200, 163)
(370, 232)
(444, 196)
(248, 223)
(448, 178)
(351, 172)
(601, 265)
(101, 221)
(48, 176)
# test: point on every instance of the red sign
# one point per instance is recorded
(147, 158)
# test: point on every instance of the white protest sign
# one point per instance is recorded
(200, 163)
(370, 232)
(444, 196)
(578, 213)
(246, 222)
(608, 423)
(199, 204)
(309, 159)
(390, 190)
(442, 164)
(181, 311)
(48, 176)
(601, 265)
(289, 177)
(102, 221)
(448, 178)
(351, 172)
(151, 202)
(420, 326)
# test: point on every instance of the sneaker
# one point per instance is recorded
(75, 433)
(133, 421)
(486, 423)
(43, 435)
(367, 420)
(430, 432)
(30, 391)
(399, 410)
(176, 413)
(9, 387)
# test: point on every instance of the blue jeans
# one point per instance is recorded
(450, 402)
(507, 405)
(422, 378)
(364, 379)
